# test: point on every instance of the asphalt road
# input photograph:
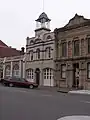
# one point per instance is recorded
(26, 104)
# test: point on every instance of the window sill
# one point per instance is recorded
(63, 79)
(88, 80)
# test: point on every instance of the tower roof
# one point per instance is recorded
(43, 18)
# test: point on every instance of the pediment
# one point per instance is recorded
(76, 20)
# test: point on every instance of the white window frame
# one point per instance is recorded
(16, 71)
(30, 74)
(48, 73)
(7, 71)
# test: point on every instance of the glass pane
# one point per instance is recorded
(88, 66)
(64, 49)
(47, 77)
(89, 74)
(44, 77)
(47, 70)
(76, 47)
(63, 67)
(63, 74)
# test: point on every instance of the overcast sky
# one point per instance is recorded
(17, 17)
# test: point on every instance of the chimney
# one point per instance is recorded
(27, 38)
(22, 50)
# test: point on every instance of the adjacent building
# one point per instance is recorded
(8, 60)
(37, 64)
(72, 48)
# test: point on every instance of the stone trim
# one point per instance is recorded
(40, 60)
(43, 44)
(72, 59)
(40, 50)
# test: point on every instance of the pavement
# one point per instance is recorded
(65, 90)
(75, 118)
(27, 104)
(83, 92)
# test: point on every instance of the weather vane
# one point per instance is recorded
(43, 5)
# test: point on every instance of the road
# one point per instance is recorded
(26, 104)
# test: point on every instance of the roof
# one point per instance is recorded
(6, 51)
(3, 44)
(43, 16)
(76, 22)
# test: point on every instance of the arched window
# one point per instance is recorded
(31, 55)
(48, 37)
(30, 75)
(38, 53)
(37, 40)
(48, 52)
(88, 45)
(16, 70)
(7, 71)
(31, 42)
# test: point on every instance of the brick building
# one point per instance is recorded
(72, 48)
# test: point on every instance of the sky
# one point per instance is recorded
(17, 17)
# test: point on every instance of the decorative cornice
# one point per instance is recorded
(66, 28)
(72, 59)
(40, 60)
(43, 44)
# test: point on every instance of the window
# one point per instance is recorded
(48, 73)
(8, 71)
(31, 55)
(48, 37)
(76, 47)
(69, 49)
(31, 42)
(82, 47)
(37, 40)
(88, 70)
(30, 74)
(64, 49)
(48, 52)
(38, 53)
(16, 71)
(88, 45)
(63, 71)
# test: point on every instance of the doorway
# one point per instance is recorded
(37, 75)
(1, 74)
(75, 75)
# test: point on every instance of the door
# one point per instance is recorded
(75, 75)
(37, 75)
(48, 77)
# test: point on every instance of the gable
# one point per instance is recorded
(3, 44)
(76, 20)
